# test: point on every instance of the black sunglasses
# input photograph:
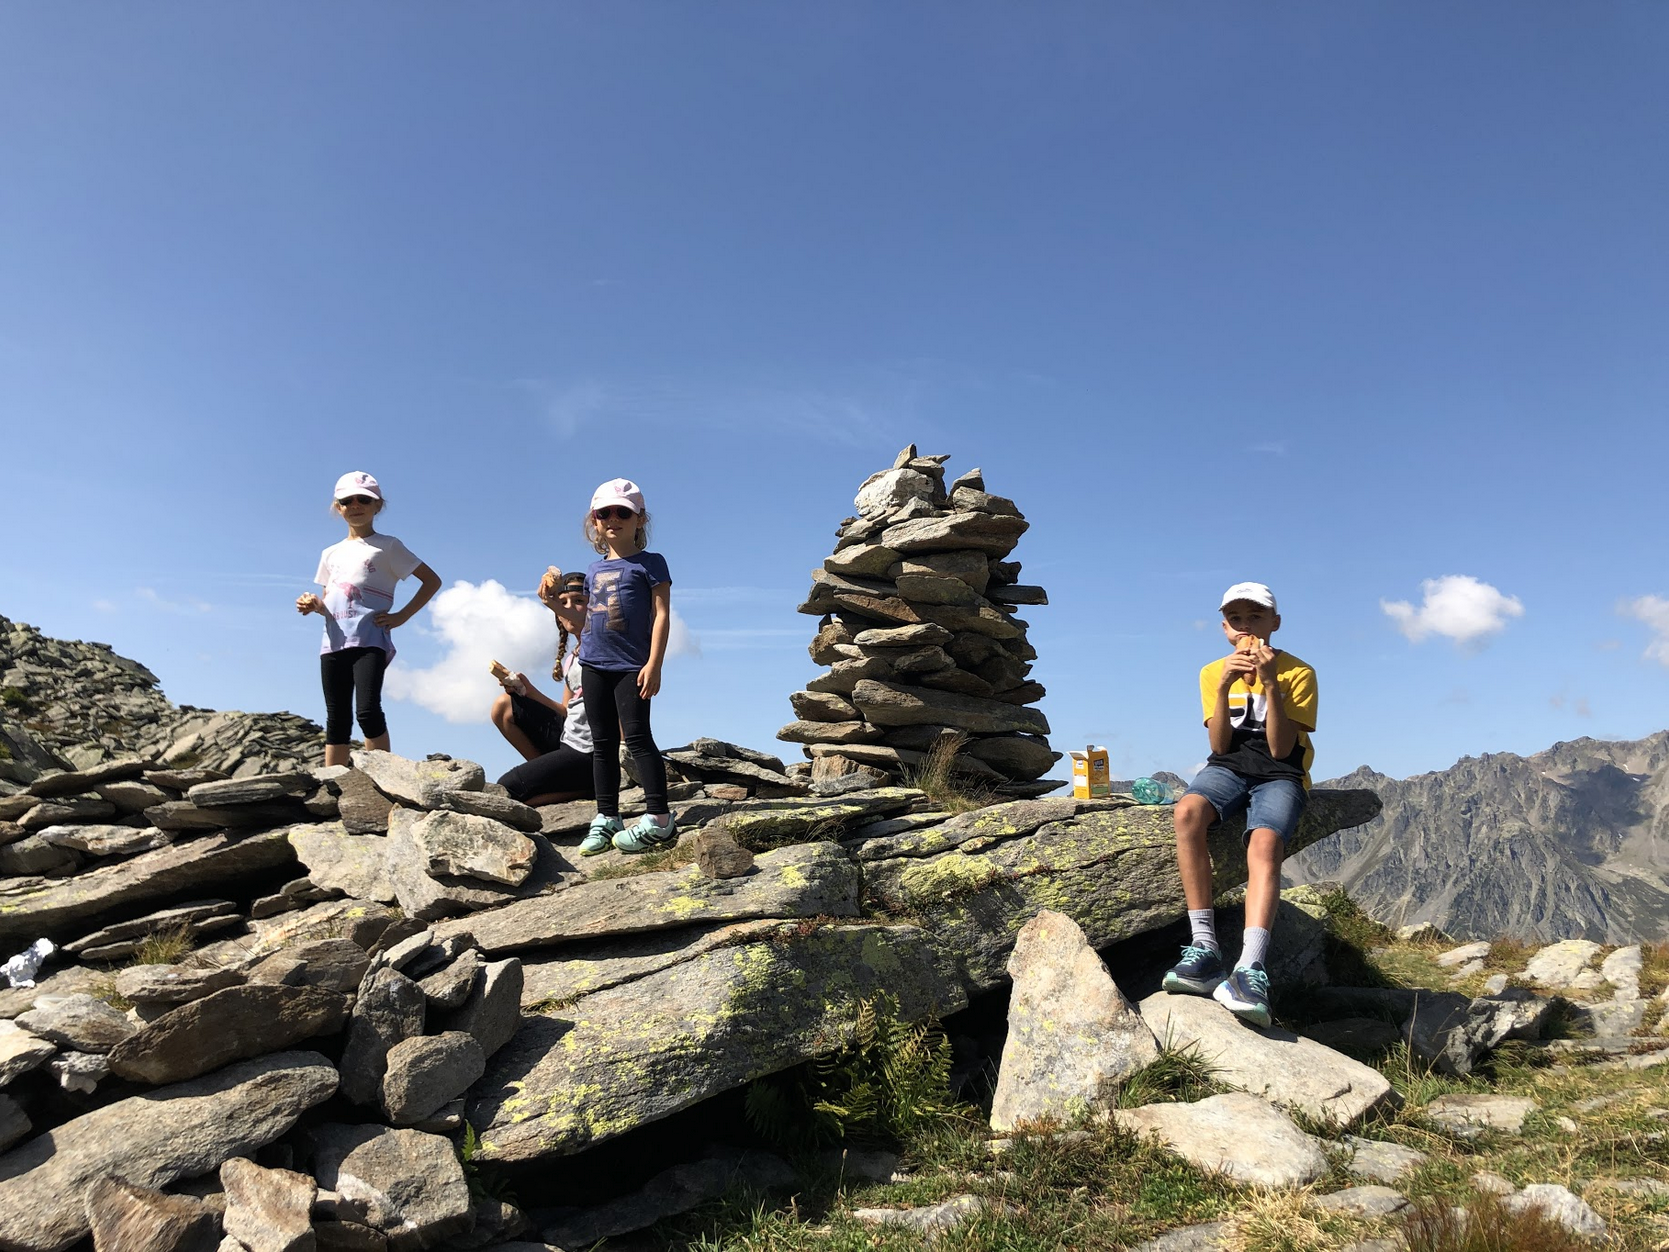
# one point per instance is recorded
(356, 500)
(613, 513)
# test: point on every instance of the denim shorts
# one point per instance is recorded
(1273, 803)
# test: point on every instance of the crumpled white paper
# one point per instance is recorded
(20, 971)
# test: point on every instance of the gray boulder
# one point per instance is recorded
(1285, 1068)
(408, 1184)
(1247, 1139)
(126, 1218)
(641, 1050)
(390, 1008)
(418, 784)
(78, 1021)
(426, 1072)
(268, 1210)
(805, 880)
(463, 845)
(226, 1026)
(1072, 1036)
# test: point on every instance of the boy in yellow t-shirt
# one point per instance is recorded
(1260, 707)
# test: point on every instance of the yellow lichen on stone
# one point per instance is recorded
(949, 875)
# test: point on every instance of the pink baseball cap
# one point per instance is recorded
(618, 491)
(357, 483)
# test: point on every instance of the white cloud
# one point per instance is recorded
(1654, 611)
(480, 624)
(680, 639)
(1456, 606)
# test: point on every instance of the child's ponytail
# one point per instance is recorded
(561, 651)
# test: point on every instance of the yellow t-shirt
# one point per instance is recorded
(1248, 753)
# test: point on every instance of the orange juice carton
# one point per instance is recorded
(1090, 777)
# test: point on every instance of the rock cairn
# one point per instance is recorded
(85, 704)
(918, 631)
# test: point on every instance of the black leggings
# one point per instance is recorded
(616, 690)
(353, 678)
(565, 770)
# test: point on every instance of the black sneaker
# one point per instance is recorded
(1198, 973)
(1245, 993)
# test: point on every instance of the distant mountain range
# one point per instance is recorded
(1569, 843)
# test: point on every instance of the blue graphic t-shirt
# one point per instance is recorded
(622, 609)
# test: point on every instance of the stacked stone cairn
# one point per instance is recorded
(918, 631)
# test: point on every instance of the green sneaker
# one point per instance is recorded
(600, 838)
(646, 834)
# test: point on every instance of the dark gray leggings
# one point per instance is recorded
(352, 678)
(615, 709)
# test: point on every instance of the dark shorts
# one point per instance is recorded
(539, 722)
(1271, 803)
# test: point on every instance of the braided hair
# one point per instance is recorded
(572, 583)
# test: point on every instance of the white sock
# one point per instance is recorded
(1254, 948)
(1204, 924)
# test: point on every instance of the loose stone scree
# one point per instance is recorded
(919, 633)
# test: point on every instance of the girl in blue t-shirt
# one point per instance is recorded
(630, 615)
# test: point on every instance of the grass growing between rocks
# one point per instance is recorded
(676, 857)
(938, 778)
(1485, 1224)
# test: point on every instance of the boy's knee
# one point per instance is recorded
(1265, 847)
(1193, 816)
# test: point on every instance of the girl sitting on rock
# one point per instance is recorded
(359, 576)
(554, 736)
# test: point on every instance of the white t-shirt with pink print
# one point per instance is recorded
(358, 577)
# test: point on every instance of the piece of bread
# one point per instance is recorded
(499, 672)
(550, 582)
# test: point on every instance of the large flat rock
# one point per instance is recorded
(634, 1053)
(152, 1140)
(1288, 1069)
(596, 967)
(806, 880)
(188, 866)
(1111, 870)
(1247, 1139)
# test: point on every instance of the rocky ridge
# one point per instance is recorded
(918, 630)
(67, 704)
(1568, 842)
(390, 950)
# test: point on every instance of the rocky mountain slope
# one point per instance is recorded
(83, 704)
(1570, 841)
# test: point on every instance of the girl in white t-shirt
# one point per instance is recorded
(359, 575)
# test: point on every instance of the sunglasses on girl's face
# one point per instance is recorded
(356, 500)
(614, 513)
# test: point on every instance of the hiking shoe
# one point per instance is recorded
(1198, 973)
(646, 835)
(1245, 993)
(600, 838)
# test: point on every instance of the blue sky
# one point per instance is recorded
(1344, 298)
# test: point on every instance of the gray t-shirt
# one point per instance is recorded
(576, 730)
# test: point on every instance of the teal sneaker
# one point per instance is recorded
(1198, 973)
(1245, 993)
(600, 838)
(646, 835)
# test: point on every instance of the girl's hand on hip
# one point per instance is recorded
(649, 681)
(309, 603)
(388, 621)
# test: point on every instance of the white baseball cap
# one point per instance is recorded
(357, 483)
(1255, 593)
(618, 491)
